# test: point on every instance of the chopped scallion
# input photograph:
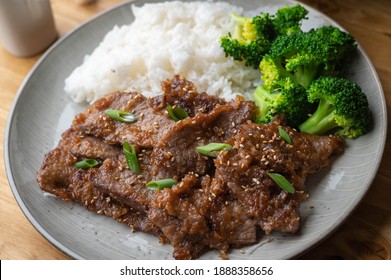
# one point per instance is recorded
(212, 149)
(284, 135)
(87, 163)
(121, 116)
(161, 184)
(282, 182)
(131, 157)
(176, 113)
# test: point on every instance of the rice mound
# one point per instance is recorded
(165, 39)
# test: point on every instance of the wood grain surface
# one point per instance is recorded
(367, 232)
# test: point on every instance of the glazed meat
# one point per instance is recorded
(226, 210)
(152, 120)
(175, 154)
(217, 202)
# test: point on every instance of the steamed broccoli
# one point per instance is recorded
(252, 37)
(304, 56)
(288, 98)
(250, 40)
(288, 19)
(343, 108)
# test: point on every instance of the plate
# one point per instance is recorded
(41, 111)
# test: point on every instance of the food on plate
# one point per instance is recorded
(302, 72)
(341, 107)
(252, 37)
(290, 100)
(211, 180)
(304, 56)
(165, 39)
(212, 166)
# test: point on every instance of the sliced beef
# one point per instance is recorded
(58, 165)
(87, 194)
(150, 126)
(218, 203)
(182, 93)
(58, 175)
(241, 197)
(56, 172)
(116, 180)
(152, 123)
(175, 154)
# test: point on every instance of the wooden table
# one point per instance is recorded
(365, 235)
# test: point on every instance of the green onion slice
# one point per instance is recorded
(161, 184)
(176, 113)
(121, 116)
(87, 163)
(131, 157)
(282, 182)
(212, 149)
(284, 135)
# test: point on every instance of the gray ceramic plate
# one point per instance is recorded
(41, 111)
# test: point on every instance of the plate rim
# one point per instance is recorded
(44, 56)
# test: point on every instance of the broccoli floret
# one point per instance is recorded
(343, 108)
(250, 40)
(304, 56)
(288, 98)
(288, 19)
(252, 37)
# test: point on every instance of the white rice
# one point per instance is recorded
(165, 39)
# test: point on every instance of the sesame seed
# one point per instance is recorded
(255, 180)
